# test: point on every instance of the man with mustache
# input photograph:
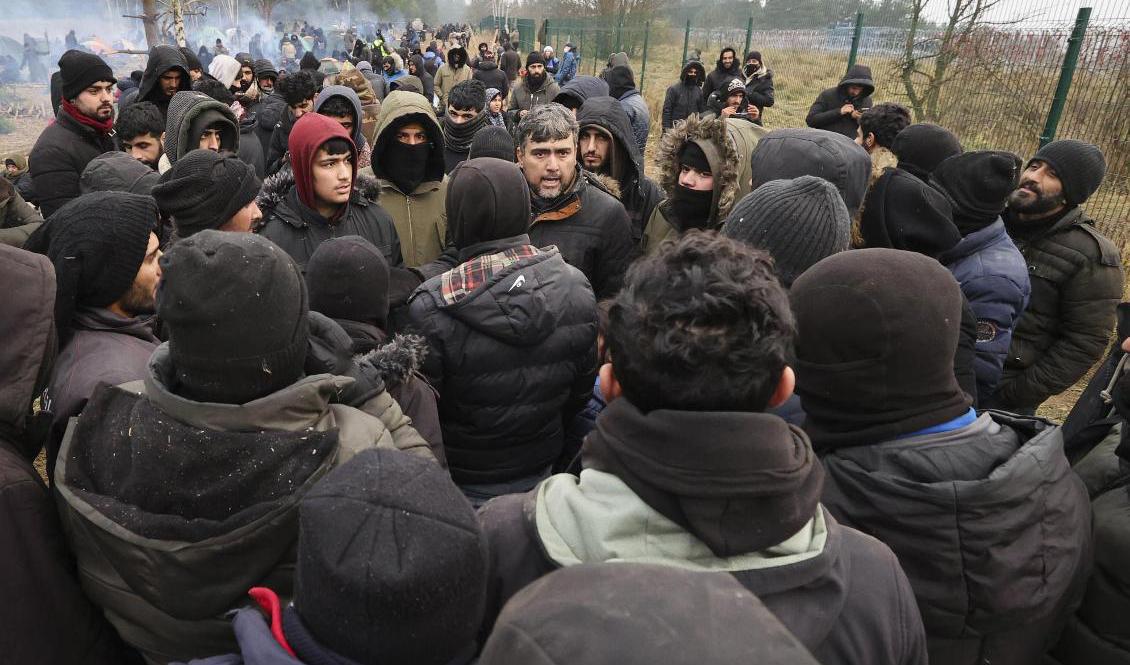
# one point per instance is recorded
(1076, 276)
(535, 88)
(83, 129)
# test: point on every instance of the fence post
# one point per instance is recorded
(855, 38)
(619, 30)
(545, 36)
(686, 42)
(643, 67)
(748, 35)
(1066, 73)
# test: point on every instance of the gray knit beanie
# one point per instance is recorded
(1079, 165)
(798, 221)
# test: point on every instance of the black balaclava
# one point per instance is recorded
(408, 163)
(691, 208)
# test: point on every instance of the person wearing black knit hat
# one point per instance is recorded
(83, 129)
(493, 141)
(991, 270)
(686, 468)
(265, 76)
(215, 448)
(106, 266)
(1076, 275)
(798, 222)
(533, 89)
(639, 614)
(206, 190)
(972, 505)
(921, 147)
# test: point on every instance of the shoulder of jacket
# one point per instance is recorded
(1082, 238)
(1108, 254)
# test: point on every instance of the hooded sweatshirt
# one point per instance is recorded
(419, 214)
(574, 93)
(825, 111)
(190, 113)
(637, 192)
(364, 152)
(684, 98)
(720, 76)
(727, 146)
(161, 59)
(448, 75)
(784, 154)
(511, 333)
(426, 79)
(622, 86)
(488, 72)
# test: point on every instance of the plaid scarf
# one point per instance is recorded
(458, 283)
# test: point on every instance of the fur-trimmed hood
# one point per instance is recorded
(728, 146)
(276, 187)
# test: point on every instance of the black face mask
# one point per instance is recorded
(691, 207)
(749, 69)
(408, 164)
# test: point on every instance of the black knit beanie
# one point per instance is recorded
(534, 58)
(265, 68)
(348, 278)
(692, 155)
(639, 614)
(977, 184)
(204, 190)
(234, 305)
(493, 141)
(903, 212)
(1079, 165)
(79, 70)
(392, 564)
(97, 243)
(920, 148)
(798, 221)
(875, 357)
(309, 61)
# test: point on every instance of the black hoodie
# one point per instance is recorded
(638, 193)
(825, 111)
(684, 99)
(718, 78)
(161, 59)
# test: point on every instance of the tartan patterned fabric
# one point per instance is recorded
(459, 282)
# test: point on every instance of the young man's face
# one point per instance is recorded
(196, 74)
(461, 116)
(692, 178)
(170, 82)
(412, 67)
(97, 101)
(246, 74)
(754, 64)
(142, 295)
(267, 84)
(244, 220)
(211, 139)
(12, 169)
(536, 70)
(496, 104)
(303, 108)
(550, 166)
(735, 99)
(595, 146)
(854, 90)
(348, 122)
(412, 134)
(333, 177)
(1040, 190)
(727, 59)
(145, 148)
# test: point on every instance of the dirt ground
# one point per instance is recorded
(27, 129)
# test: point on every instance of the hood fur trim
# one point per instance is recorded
(608, 183)
(397, 359)
(696, 129)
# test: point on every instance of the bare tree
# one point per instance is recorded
(930, 62)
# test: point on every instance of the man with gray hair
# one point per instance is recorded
(571, 208)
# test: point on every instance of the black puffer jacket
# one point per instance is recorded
(59, 157)
(270, 112)
(638, 193)
(720, 76)
(759, 90)
(592, 230)
(682, 99)
(488, 72)
(825, 111)
(1076, 276)
(990, 524)
(298, 230)
(512, 360)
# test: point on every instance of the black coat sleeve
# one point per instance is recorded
(824, 110)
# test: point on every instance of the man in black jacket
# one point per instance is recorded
(571, 209)
(838, 109)
(758, 84)
(166, 74)
(82, 129)
(608, 148)
(684, 97)
(977, 507)
(298, 92)
(511, 334)
(491, 76)
(726, 69)
(1076, 275)
(686, 468)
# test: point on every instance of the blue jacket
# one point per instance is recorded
(639, 115)
(994, 278)
(568, 68)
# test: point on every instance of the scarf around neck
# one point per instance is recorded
(105, 127)
(458, 137)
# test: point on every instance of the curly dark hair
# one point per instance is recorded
(703, 325)
(338, 106)
(297, 88)
(139, 118)
(215, 90)
(885, 121)
(469, 95)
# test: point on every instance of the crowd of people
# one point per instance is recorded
(405, 359)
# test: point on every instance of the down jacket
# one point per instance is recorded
(512, 360)
(994, 279)
(1076, 276)
(990, 524)
(59, 157)
(684, 100)
(168, 534)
